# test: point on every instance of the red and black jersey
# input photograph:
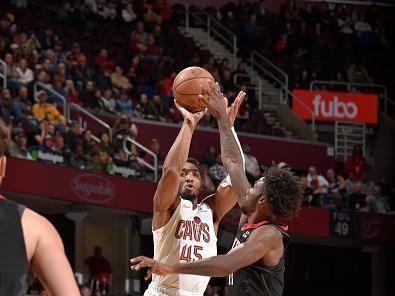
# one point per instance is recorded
(258, 279)
(14, 264)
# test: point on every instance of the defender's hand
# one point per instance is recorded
(190, 117)
(233, 109)
(214, 100)
(152, 265)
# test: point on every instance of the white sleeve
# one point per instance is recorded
(227, 181)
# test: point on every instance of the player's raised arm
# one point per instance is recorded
(166, 195)
(231, 156)
(225, 197)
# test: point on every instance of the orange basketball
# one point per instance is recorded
(187, 87)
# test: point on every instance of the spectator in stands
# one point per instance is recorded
(307, 191)
(105, 144)
(158, 109)
(166, 88)
(140, 29)
(21, 105)
(60, 75)
(25, 75)
(103, 62)
(155, 147)
(10, 68)
(367, 184)
(207, 183)
(142, 109)
(210, 156)
(321, 186)
(163, 8)
(128, 14)
(88, 97)
(108, 102)
(356, 164)
(71, 92)
(336, 193)
(119, 80)
(376, 201)
(58, 145)
(6, 104)
(100, 159)
(124, 104)
(150, 16)
(45, 111)
(251, 164)
(109, 11)
(217, 171)
(358, 73)
(99, 269)
(356, 200)
(73, 136)
(18, 148)
(303, 81)
(78, 158)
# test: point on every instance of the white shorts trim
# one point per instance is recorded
(160, 290)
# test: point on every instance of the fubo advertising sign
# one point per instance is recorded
(337, 106)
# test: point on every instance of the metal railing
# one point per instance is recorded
(83, 124)
(3, 73)
(254, 86)
(49, 89)
(259, 88)
(303, 104)
(154, 167)
(214, 29)
(269, 69)
(363, 87)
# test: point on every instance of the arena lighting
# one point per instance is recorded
(77, 213)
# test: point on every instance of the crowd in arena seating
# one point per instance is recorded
(87, 54)
(311, 41)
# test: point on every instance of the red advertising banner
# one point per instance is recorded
(337, 106)
(59, 182)
(33, 178)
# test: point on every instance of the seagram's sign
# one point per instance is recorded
(93, 188)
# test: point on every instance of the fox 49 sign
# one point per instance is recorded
(342, 224)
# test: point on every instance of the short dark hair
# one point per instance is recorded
(195, 162)
(283, 191)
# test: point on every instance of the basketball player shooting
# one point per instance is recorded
(255, 264)
(184, 230)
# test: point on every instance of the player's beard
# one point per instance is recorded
(188, 196)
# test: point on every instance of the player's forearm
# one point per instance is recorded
(230, 151)
(214, 267)
(232, 159)
(178, 153)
